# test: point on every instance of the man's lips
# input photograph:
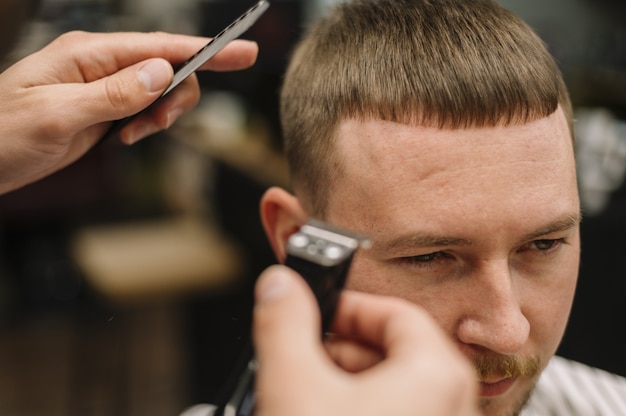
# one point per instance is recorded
(496, 387)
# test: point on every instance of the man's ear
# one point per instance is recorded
(282, 215)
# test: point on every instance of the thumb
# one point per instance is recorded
(123, 93)
(286, 325)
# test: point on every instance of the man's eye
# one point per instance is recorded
(424, 259)
(546, 244)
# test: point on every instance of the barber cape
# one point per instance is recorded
(569, 388)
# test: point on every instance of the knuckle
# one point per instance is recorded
(115, 93)
(69, 46)
(51, 127)
(70, 38)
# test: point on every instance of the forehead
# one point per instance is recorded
(392, 171)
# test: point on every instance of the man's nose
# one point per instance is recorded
(494, 317)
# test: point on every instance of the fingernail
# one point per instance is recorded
(274, 285)
(155, 75)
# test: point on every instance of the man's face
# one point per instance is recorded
(480, 227)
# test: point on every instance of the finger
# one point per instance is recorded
(286, 324)
(398, 329)
(114, 97)
(84, 57)
(418, 355)
(352, 356)
(285, 313)
(383, 322)
(239, 54)
(164, 113)
(99, 55)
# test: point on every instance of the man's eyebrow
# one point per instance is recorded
(562, 224)
(413, 240)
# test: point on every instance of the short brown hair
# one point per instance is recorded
(438, 63)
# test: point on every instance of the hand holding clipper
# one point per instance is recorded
(322, 254)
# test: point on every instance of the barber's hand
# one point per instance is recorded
(389, 357)
(57, 102)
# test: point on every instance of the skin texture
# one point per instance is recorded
(57, 102)
(480, 227)
(422, 372)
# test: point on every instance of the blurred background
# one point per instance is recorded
(126, 279)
